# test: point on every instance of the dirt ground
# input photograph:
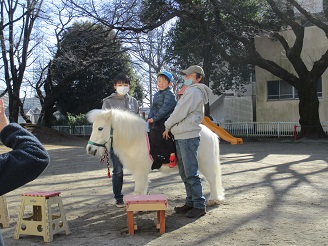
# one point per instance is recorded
(276, 194)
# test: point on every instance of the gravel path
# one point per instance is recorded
(276, 194)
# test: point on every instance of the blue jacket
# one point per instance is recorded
(163, 105)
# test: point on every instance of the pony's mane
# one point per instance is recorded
(129, 126)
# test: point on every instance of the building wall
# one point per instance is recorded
(315, 44)
(217, 108)
(232, 109)
(238, 109)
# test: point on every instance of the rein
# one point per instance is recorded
(105, 155)
(102, 159)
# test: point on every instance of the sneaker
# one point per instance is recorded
(173, 161)
(196, 212)
(183, 209)
(119, 203)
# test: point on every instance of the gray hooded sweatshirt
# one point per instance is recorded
(184, 122)
(126, 103)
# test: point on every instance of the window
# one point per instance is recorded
(319, 88)
(280, 90)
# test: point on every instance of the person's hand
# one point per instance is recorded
(166, 134)
(3, 118)
(150, 120)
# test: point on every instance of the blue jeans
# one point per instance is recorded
(117, 176)
(187, 150)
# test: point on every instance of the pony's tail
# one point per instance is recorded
(219, 184)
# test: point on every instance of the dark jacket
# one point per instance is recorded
(163, 105)
(25, 162)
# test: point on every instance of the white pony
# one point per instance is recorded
(127, 133)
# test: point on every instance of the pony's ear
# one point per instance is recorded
(107, 114)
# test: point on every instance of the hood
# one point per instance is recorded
(207, 92)
(115, 96)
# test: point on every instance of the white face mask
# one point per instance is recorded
(187, 82)
(122, 90)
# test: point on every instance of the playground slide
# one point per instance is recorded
(221, 132)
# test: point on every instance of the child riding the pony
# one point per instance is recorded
(162, 150)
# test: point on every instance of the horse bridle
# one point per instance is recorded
(105, 155)
(104, 144)
(97, 144)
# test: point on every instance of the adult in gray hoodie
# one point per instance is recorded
(184, 124)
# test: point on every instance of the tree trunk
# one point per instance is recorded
(14, 103)
(309, 112)
(22, 113)
(49, 104)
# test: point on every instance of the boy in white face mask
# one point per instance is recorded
(120, 100)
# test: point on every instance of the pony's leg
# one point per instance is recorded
(141, 183)
(216, 189)
(209, 166)
(212, 173)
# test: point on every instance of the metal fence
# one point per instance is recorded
(239, 129)
(84, 130)
(266, 129)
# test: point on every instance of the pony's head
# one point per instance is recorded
(101, 127)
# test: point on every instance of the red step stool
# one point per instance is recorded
(136, 203)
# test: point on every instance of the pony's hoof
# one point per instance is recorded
(211, 203)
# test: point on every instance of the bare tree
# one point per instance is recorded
(16, 31)
(44, 86)
(149, 52)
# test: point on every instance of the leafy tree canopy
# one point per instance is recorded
(85, 90)
(192, 47)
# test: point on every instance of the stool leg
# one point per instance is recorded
(161, 219)
(19, 220)
(63, 216)
(4, 214)
(130, 223)
(46, 213)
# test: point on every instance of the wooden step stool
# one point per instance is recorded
(42, 222)
(4, 214)
(136, 203)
